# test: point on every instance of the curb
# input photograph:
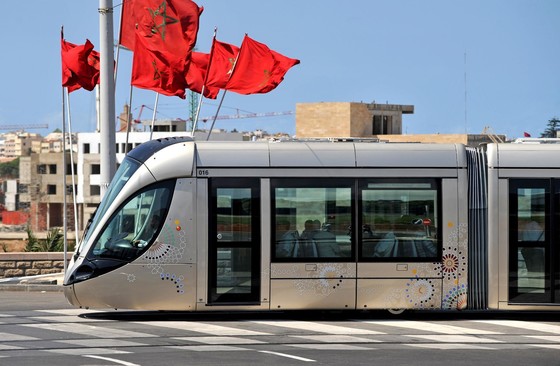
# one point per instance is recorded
(39, 283)
(31, 287)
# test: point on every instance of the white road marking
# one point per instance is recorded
(327, 338)
(541, 327)
(204, 328)
(89, 330)
(120, 362)
(432, 327)
(289, 356)
(220, 340)
(453, 338)
(318, 327)
(447, 346)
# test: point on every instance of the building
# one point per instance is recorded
(371, 120)
(41, 189)
(334, 119)
(19, 144)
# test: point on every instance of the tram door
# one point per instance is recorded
(234, 241)
(534, 247)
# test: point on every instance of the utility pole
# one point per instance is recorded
(106, 95)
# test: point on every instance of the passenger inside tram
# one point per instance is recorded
(286, 239)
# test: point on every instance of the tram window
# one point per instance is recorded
(312, 221)
(234, 214)
(531, 214)
(134, 226)
(400, 220)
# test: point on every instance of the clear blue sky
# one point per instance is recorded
(396, 51)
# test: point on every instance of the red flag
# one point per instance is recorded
(165, 34)
(157, 70)
(128, 24)
(526, 134)
(222, 60)
(258, 69)
(80, 66)
(167, 25)
(197, 74)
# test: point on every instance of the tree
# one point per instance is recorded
(551, 128)
(53, 243)
(10, 169)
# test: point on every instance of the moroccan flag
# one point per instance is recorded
(158, 70)
(222, 60)
(128, 24)
(258, 69)
(196, 75)
(80, 66)
(166, 25)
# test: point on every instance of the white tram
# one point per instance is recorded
(204, 226)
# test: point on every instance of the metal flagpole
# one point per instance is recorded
(154, 115)
(197, 111)
(128, 121)
(72, 169)
(64, 204)
(216, 115)
(195, 122)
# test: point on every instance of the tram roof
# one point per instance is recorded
(543, 155)
(328, 154)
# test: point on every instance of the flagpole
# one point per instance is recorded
(225, 90)
(128, 121)
(64, 204)
(198, 110)
(71, 168)
(216, 115)
(195, 122)
(154, 115)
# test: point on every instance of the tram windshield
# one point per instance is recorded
(123, 174)
(135, 225)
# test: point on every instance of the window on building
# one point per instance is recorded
(95, 169)
(86, 148)
(69, 189)
(41, 169)
(94, 190)
(69, 169)
(381, 125)
(52, 168)
(51, 189)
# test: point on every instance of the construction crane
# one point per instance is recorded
(230, 116)
(248, 115)
(23, 127)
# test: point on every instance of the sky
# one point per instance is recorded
(463, 64)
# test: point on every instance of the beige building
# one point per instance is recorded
(20, 144)
(41, 189)
(376, 121)
(343, 119)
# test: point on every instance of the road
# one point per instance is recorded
(41, 328)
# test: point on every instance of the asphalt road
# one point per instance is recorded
(41, 328)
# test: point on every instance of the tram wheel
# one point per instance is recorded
(396, 311)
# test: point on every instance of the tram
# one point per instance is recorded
(358, 225)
